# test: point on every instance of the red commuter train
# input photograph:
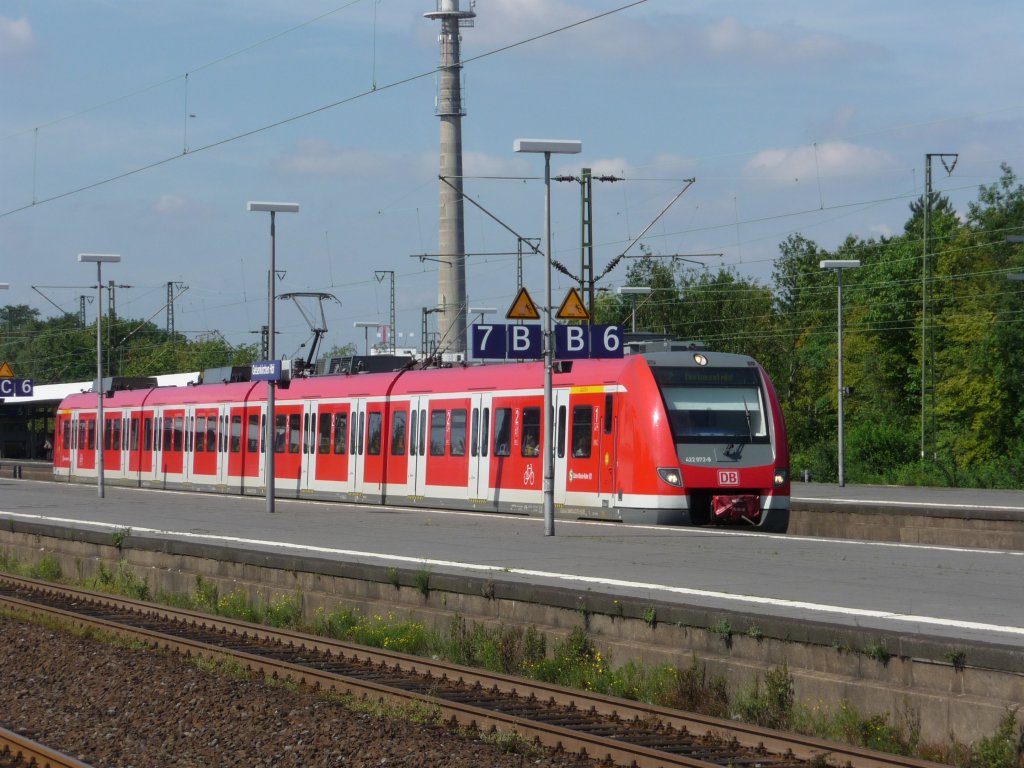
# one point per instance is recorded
(678, 436)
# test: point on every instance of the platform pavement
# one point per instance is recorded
(973, 595)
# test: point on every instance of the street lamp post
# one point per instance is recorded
(839, 265)
(482, 311)
(548, 147)
(99, 259)
(268, 435)
(633, 291)
(366, 326)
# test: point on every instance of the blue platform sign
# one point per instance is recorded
(266, 370)
(506, 341)
(582, 342)
(16, 388)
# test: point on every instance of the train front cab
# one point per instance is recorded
(713, 431)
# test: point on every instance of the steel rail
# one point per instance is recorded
(800, 747)
(15, 747)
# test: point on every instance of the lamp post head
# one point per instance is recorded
(274, 207)
(634, 290)
(548, 146)
(99, 258)
(4, 286)
(839, 263)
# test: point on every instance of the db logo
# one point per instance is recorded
(728, 477)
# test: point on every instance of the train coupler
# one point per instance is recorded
(736, 508)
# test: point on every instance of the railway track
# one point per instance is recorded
(615, 731)
(16, 751)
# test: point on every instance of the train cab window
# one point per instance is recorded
(398, 433)
(458, 446)
(376, 427)
(561, 431)
(412, 433)
(714, 404)
(502, 431)
(582, 426)
(437, 424)
(65, 432)
(531, 432)
(340, 433)
(294, 432)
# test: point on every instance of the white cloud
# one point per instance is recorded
(16, 37)
(730, 37)
(175, 205)
(834, 158)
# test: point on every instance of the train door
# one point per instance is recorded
(287, 446)
(141, 444)
(205, 444)
(112, 441)
(416, 467)
(62, 440)
(172, 444)
(309, 440)
(244, 458)
(357, 446)
(582, 432)
(479, 448)
(396, 458)
(560, 401)
(607, 460)
(331, 471)
(373, 459)
(86, 451)
(447, 448)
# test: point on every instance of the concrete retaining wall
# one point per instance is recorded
(961, 691)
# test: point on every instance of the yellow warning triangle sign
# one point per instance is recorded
(522, 308)
(6, 372)
(572, 307)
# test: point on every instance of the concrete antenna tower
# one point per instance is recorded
(451, 278)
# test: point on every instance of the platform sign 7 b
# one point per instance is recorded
(506, 341)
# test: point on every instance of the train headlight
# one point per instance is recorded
(671, 475)
(781, 477)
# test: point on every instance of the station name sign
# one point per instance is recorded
(266, 370)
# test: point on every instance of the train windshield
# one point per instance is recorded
(714, 404)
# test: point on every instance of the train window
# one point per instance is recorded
(65, 439)
(362, 430)
(92, 436)
(147, 433)
(608, 414)
(437, 424)
(117, 434)
(106, 434)
(483, 435)
(352, 445)
(189, 426)
(412, 433)
(561, 431)
(531, 432)
(423, 431)
(458, 447)
(340, 432)
(398, 433)
(280, 431)
(252, 436)
(179, 431)
(294, 432)
(135, 433)
(474, 432)
(211, 434)
(714, 405)
(582, 429)
(324, 434)
(502, 431)
(376, 426)
(236, 433)
(200, 434)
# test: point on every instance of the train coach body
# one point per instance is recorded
(675, 437)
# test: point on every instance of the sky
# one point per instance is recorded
(143, 128)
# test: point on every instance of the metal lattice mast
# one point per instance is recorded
(451, 278)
